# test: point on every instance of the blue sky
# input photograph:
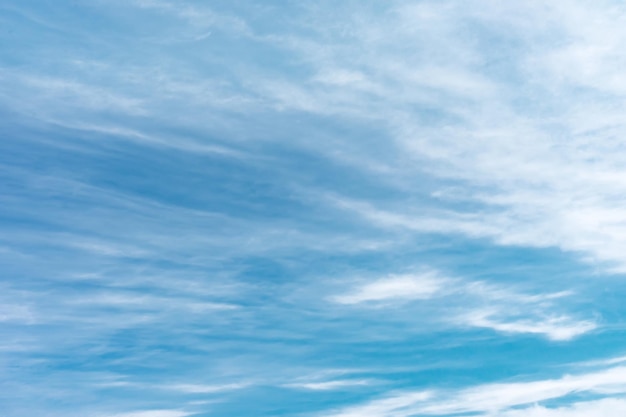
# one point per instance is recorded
(317, 209)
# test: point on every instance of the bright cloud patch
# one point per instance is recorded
(394, 287)
(329, 385)
(555, 328)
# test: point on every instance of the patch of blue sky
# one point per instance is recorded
(278, 209)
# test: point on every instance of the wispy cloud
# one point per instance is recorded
(500, 398)
(153, 413)
(394, 287)
(476, 304)
(555, 328)
(609, 407)
(528, 186)
(199, 17)
(205, 389)
(192, 196)
(330, 385)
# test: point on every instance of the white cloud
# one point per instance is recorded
(605, 362)
(478, 304)
(329, 385)
(555, 328)
(533, 134)
(205, 389)
(608, 407)
(395, 406)
(545, 143)
(394, 287)
(153, 413)
(499, 399)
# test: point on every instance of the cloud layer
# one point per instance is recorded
(366, 209)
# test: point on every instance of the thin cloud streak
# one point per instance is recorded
(153, 413)
(330, 385)
(487, 399)
(394, 287)
(478, 304)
